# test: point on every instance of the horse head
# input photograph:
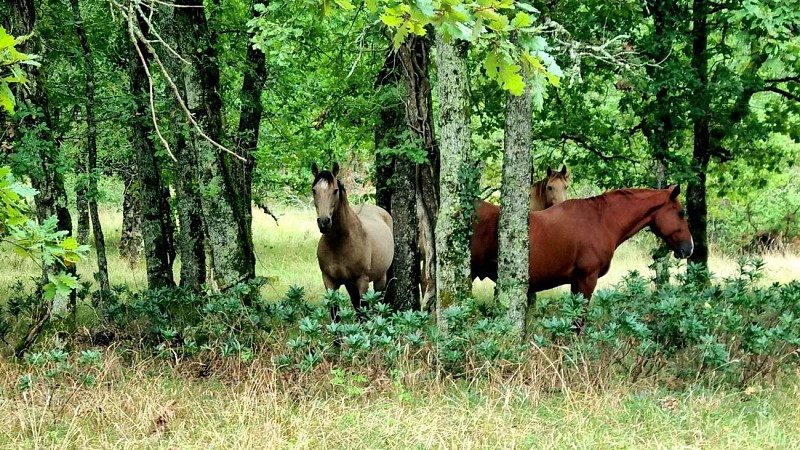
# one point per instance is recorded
(669, 223)
(556, 185)
(327, 192)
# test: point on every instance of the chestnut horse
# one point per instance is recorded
(549, 191)
(573, 242)
(357, 243)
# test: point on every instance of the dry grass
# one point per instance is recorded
(142, 405)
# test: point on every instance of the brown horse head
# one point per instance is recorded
(556, 184)
(328, 194)
(669, 223)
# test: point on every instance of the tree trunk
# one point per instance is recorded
(660, 129)
(696, 192)
(458, 180)
(130, 242)
(255, 76)
(191, 232)
(91, 143)
(414, 57)
(82, 205)
(156, 219)
(395, 192)
(221, 175)
(46, 177)
(515, 206)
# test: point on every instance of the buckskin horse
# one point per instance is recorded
(573, 242)
(357, 242)
(549, 191)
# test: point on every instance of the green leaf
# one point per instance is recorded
(344, 4)
(425, 7)
(391, 20)
(527, 7)
(522, 20)
(6, 97)
(372, 5)
(399, 37)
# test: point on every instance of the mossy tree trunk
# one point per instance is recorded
(156, 216)
(458, 178)
(515, 206)
(255, 76)
(221, 175)
(415, 64)
(91, 151)
(43, 160)
(395, 191)
(130, 241)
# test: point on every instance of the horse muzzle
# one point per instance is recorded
(684, 249)
(324, 224)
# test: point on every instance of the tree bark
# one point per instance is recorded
(457, 181)
(91, 150)
(395, 192)
(156, 218)
(515, 206)
(221, 175)
(414, 58)
(696, 191)
(44, 171)
(255, 76)
(130, 242)
(82, 206)
(660, 129)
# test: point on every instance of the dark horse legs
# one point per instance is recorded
(585, 286)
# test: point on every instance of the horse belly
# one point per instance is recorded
(381, 242)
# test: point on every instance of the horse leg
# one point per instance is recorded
(356, 291)
(584, 286)
(330, 284)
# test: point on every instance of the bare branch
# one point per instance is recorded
(589, 146)
(131, 32)
(136, 36)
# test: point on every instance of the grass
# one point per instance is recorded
(142, 405)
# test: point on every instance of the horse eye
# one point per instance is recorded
(335, 192)
(549, 188)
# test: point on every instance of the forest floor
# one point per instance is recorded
(136, 402)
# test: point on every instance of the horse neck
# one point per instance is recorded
(626, 216)
(345, 220)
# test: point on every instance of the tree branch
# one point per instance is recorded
(783, 80)
(589, 146)
(783, 93)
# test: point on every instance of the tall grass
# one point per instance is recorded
(142, 404)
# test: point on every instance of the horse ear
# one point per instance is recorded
(314, 169)
(335, 170)
(564, 170)
(549, 171)
(676, 191)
